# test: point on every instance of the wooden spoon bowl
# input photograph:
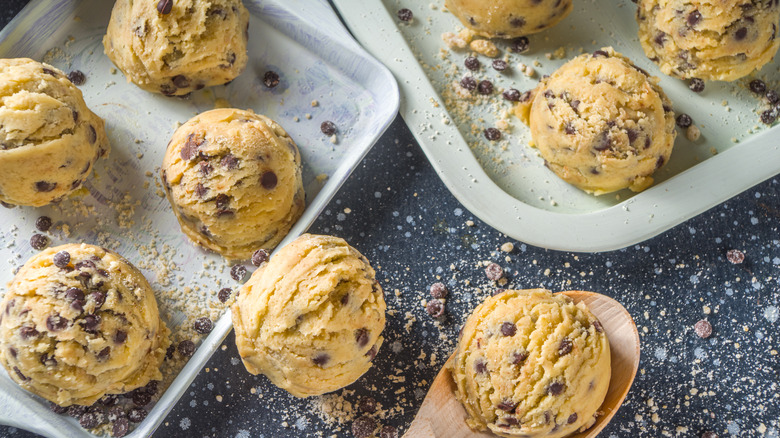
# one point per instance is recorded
(441, 415)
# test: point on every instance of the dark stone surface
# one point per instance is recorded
(415, 233)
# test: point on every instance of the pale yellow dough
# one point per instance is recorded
(233, 178)
(311, 319)
(601, 123)
(509, 18)
(531, 364)
(198, 44)
(49, 139)
(709, 39)
(73, 334)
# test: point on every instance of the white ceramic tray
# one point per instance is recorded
(507, 185)
(303, 40)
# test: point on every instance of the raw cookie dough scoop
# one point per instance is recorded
(509, 18)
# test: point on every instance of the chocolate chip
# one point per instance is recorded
(494, 272)
(136, 414)
(556, 388)
(224, 294)
(468, 83)
(659, 162)
(520, 45)
(507, 405)
(77, 77)
(367, 405)
(91, 323)
(186, 348)
(45, 186)
(757, 86)
(320, 359)
(180, 81)
(435, 308)
(508, 329)
(50, 72)
(103, 354)
(21, 376)
(512, 421)
(39, 241)
(405, 15)
(259, 257)
(99, 297)
(56, 323)
(164, 6)
(201, 190)
(472, 63)
(328, 128)
(372, 352)
(28, 332)
(167, 89)
(492, 134)
(511, 95)
(48, 361)
(569, 129)
(485, 87)
(141, 398)
(388, 432)
(120, 427)
(238, 272)
(500, 65)
(92, 418)
(76, 297)
(190, 148)
(597, 325)
(152, 386)
(517, 21)
(120, 337)
(439, 290)
(363, 427)
(740, 34)
(572, 418)
(222, 201)
(735, 256)
(268, 180)
(169, 352)
(598, 53)
(57, 409)
(696, 85)
(480, 366)
(703, 329)
(203, 325)
(518, 357)
(684, 120)
(93, 137)
(772, 97)
(361, 337)
(565, 347)
(769, 116)
(43, 223)
(229, 161)
(660, 39)
(344, 299)
(693, 18)
(271, 79)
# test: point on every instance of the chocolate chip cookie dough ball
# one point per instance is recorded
(509, 18)
(233, 178)
(311, 319)
(49, 139)
(174, 47)
(79, 322)
(723, 40)
(531, 364)
(601, 123)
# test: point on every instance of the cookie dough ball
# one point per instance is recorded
(723, 40)
(233, 178)
(531, 364)
(311, 319)
(49, 139)
(509, 18)
(176, 49)
(601, 123)
(79, 322)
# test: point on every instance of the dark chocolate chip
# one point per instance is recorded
(512, 421)
(757, 86)
(517, 22)
(271, 79)
(224, 294)
(597, 325)
(684, 120)
(45, 186)
(520, 45)
(320, 359)
(39, 241)
(500, 65)
(180, 81)
(480, 366)
(43, 223)
(238, 272)
(48, 361)
(222, 201)
(229, 161)
(388, 432)
(259, 257)
(468, 83)
(344, 299)
(556, 388)
(696, 85)
(169, 352)
(660, 162)
(492, 134)
(769, 116)
(120, 427)
(694, 18)
(103, 354)
(435, 308)
(363, 427)
(91, 323)
(518, 357)
(565, 347)
(511, 95)
(361, 337)
(190, 148)
(186, 348)
(28, 332)
(405, 15)
(772, 97)
(164, 6)
(50, 72)
(93, 137)
(569, 129)
(703, 329)
(372, 352)
(268, 180)
(167, 89)
(92, 418)
(494, 272)
(141, 398)
(201, 190)
(367, 405)
(507, 405)
(57, 409)
(77, 77)
(120, 337)
(598, 53)
(136, 414)
(472, 63)
(439, 290)
(328, 128)
(56, 322)
(508, 329)
(660, 39)
(604, 142)
(572, 418)
(203, 325)
(99, 297)
(740, 34)
(485, 87)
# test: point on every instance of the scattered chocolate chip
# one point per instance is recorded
(511, 95)
(57, 409)
(91, 419)
(518, 357)
(520, 45)
(480, 366)
(320, 359)
(238, 272)
(703, 329)
(271, 79)
(508, 329)
(507, 405)
(152, 386)
(28, 332)
(472, 63)
(468, 83)
(740, 34)
(201, 191)
(169, 352)
(500, 65)
(735, 256)
(696, 85)
(120, 337)
(328, 128)
(556, 388)
(565, 347)
(103, 354)
(512, 421)
(494, 272)
(190, 148)
(485, 87)
(180, 81)
(772, 97)
(203, 325)
(572, 418)
(141, 398)
(435, 308)
(99, 297)
(186, 348)
(224, 294)
(694, 18)
(492, 134)
(388, 432)
(439, 290)
(229, 161)
(769, 116)
(56, 323)
(363, 427)
(164, 6)
(61, 259)
(684, 120)
(598, 53)
(45, 186)
(367, 404)
(361, 337)
(90, 323)
(259, 257)
(77, 77)
(222, 201)
(43, 223)
(39, 241)
(109, 400)
(569, 129)
(757, 86)
(268, 180)
(120, 427)
(405, 15)
(48, 361)
(136, 414)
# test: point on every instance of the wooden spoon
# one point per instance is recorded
(442, 416)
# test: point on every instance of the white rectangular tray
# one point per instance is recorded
(509, 187)
(302, 40)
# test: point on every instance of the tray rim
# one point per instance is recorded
(337, 33)
(632, 221)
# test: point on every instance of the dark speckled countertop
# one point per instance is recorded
(397, 212)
